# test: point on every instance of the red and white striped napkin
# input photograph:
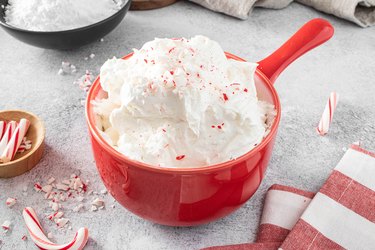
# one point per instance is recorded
(342, 213)
(340, 216)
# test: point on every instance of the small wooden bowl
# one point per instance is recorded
(150, 4)
(25, 161)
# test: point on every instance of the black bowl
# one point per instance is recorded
(66, 39)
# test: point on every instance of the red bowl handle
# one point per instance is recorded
(309, 36)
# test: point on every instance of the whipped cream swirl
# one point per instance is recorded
(181, 103)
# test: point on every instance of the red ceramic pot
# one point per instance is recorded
(192, 196)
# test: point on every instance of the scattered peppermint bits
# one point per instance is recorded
(55, 216)
(50, 235)
(61, 186)
(98, 203)
(61, 222)
(69, 195)
(51, 180)
(6, 225)
(10, 202)
(92, 55)
(37, 187)
(180, 157)
(24, 146)
(85, 81)
(47, 188)
(67, 68)
(225, 97)
(24, 238)
(220, 126)
(55, 206)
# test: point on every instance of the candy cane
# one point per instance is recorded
(327, 116)
(3, 126)
(11, 126)
(15, 141)
(42, 241)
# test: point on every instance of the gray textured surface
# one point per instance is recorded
(301, 158)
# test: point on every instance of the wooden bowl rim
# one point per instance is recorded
(39, 142)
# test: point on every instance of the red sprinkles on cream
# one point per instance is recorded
(180, 157)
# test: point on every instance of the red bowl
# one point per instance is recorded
(192, 196)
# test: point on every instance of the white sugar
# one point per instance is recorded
(57, 15)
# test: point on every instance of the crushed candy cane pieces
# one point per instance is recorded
(47, 189)
(61, 222)
(10, 202)
(77, 184)
(6, 225)
(63, 187)
(56, 215)
(98, 202)
(67, 68)
(85, 81)
(37, 187)
(55, 206)
(73, 190)
(59, 214)
(25, 145)
(51, 180)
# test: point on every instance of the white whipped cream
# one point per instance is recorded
(181, 103)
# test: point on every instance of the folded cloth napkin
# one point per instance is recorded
(283, 207)
(361, 12)
(340, 216)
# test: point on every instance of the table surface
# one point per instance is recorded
(301, 158)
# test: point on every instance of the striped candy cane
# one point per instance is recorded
(11, 126)
(15, 141)
(3, 126)
(327, 116)
(42, 241)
